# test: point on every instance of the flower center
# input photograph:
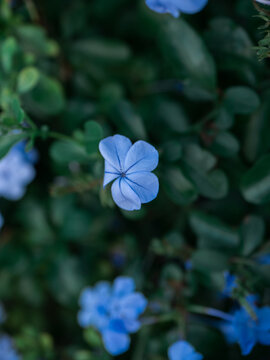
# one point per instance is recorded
(123, 175)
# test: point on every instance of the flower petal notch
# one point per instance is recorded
(176, 7)
(130, 166)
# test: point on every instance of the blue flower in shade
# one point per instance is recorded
(175, 7)
(248, 331)
(16, 172)
(7, 351)
(265, 2)
(182, 350)
(230, 283)
(263, 259)
(130, 167)
(113, 311)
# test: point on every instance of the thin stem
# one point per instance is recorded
(32, 10)
(197, 309)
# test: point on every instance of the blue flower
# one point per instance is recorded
(230, 283)
(265, 2)
(248, 331)
(16, 172)
(7, 350)
(113, 311)
(182, 350)
(130, 167)
(263, 259)
(175, 7)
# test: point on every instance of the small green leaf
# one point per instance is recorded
(214, 230)
(66, 151)
(255, 184)
(241, 100)
(28, 79)
(179, 188)
(92, 337)
(210, 260)
(252, 233)
(8, 50)
(225, 144)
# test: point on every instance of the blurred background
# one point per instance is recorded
(73, 72)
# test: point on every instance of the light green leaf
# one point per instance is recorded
(28, 79)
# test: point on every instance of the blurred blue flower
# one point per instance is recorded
(263, 259)
(265, 2)
(175, 7)
(16, 172)
(182, 350)
(113, 311)
(130, 166)
(248, 331)
(7, 351)
(230, 283)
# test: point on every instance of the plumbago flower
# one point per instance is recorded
(113, 311)
(16, 172)
(130, 166)
(230, 283)
(175, 7)
(7, 350)
(182, 350)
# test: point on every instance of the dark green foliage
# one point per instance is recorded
(74, 72)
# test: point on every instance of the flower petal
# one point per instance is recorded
(161, 7)
(141, 157)
(124, 196)
(122, 286)
(182, 350)
(110, 173)
(114, 149)
(115, 338)
(191, 6)
(144, 184)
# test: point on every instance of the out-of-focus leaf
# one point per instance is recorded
(7, 141)
(214, 230)
(28, 79)
(225, 144)
(241, 100)
(188, 54)
(93, 134)
(255, 184)
(209, 260)
(67, 151)
(7, 52)
(179, 188)
(252, 233)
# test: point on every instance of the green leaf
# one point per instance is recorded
(47, 98)
(8, 50)
(28, 79)
(255, 184)
(197, 165)
(225, 144)
(8, 141)
(93, 134)
(210, 260)
(66, 151)
(215, 231)
(179, 188)
(241, 100)
(188, 54)
(252, 233)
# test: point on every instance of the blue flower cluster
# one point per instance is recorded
(248, 331)
(175, 7)
(7, 351)
(182, 350)
(130, 167)
(113, 311)
(16, 172)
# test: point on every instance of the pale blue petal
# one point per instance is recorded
(124, 196)
(110, 173)
(182, 350)
(114, 149)
(190, 6)
(115, 338)
(264, 325)
(144, 184)
(123, 285)
(103, 289)
(245, 331)
(132, 325)
(85, 318)
(163, 7)
(141, 157)
(133, 305)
